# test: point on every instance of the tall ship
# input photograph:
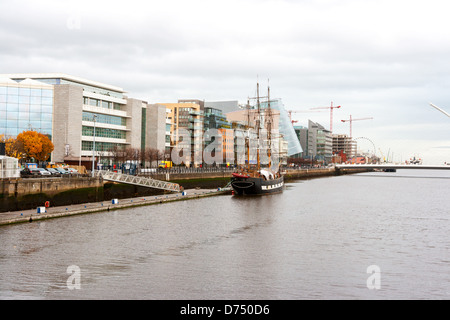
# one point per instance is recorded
(257, 178)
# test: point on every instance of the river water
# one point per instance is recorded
(319, 239)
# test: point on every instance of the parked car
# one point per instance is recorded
(62, 171)
(72, 170)
(54, 172)
(25, 173)
(40, 171)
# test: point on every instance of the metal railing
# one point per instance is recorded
(181, 170)
(138, 181)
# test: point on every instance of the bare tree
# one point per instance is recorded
(118, 155)
(133, 154)
(151, 154)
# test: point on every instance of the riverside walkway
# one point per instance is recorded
(7, 218)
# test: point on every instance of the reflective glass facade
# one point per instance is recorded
(25, 108)
(285, 127)
(215, 119)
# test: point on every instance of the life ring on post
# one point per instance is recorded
(47, 204)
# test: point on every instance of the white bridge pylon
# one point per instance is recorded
(138, 181)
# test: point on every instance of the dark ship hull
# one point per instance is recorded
(244, 185)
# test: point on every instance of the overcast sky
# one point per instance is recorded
(382, 59)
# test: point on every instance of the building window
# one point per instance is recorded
(99, 146)
(104, 133)
(94, 102)
(103, 118)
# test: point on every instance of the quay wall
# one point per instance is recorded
(23, 194)
(315, 173)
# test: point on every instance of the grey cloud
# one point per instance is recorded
(375, 59)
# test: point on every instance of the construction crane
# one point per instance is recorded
(351, 121)
(299, 111)
(331, 114)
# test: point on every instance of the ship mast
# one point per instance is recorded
(258, 126)
(247, 140)
(269, 127)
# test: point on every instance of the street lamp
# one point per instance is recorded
(93, 150)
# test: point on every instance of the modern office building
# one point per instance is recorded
(215, 122)
(302, 136)
(187, 115)
(319, 142)
(157, 127)
(28, 105)
(78, 113)
(224, 106)
(227, 146)
(215, 119)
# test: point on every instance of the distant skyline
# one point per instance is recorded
(382, 59)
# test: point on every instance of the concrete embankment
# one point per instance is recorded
(21, 197)
(24, 194)
(32, 215)
(318, 172)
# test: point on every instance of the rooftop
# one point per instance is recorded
(61, 76)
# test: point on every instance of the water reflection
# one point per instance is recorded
(313, 241)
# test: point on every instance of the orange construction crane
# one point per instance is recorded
(299, 111)
(331, 114)
(351, 120)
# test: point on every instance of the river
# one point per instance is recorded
(361, 236)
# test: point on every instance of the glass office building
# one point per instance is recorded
(285, 127)
(25, 105)
(74, 112)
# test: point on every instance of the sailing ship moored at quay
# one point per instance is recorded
(254, 179)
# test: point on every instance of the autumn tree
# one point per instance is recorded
(13, 147)
(35, 145)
